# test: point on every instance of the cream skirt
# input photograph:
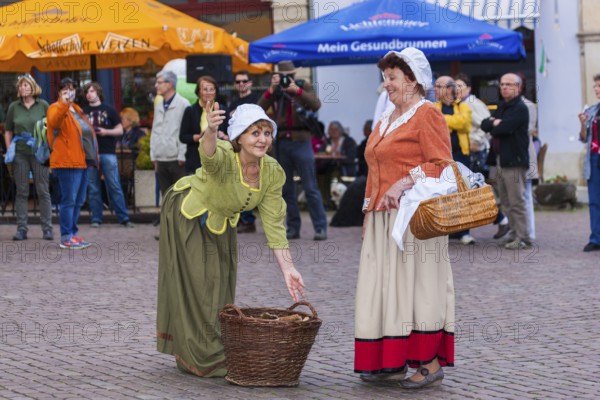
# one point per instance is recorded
(404, 300)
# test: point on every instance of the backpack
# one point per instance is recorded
(41, 149)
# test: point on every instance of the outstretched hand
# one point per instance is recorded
(293, 279)
(215, 116)
(294, 283)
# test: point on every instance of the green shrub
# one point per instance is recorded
(143, 158)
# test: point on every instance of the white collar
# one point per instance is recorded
(403, 119)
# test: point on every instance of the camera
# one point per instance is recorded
(301, 111)
(285, 81)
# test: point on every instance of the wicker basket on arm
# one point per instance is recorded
(465, 209)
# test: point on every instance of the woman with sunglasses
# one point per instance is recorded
(20, 119)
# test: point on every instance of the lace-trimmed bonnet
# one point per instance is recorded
(418, 63)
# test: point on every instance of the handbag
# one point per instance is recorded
(465, 209)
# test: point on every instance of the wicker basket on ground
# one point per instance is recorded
(265, 352)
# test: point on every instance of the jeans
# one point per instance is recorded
(73, 186)
(299, 157)
(530, 211)
(110, 170)
(22, 164)
(594, 198)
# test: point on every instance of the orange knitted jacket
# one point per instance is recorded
(419, 142)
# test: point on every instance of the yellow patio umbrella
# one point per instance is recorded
(64, 35)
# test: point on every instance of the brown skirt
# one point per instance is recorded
(196, 278)
(404, 300)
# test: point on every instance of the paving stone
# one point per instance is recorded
(81, 324)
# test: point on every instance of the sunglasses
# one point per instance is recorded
(242, 81)
(24, 76)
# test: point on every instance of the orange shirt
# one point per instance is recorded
(418, 142)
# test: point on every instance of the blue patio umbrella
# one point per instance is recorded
(365, 31)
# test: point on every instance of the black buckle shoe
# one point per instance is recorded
(385, 377)
(429, 379)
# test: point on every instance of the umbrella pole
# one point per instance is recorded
(93, 69)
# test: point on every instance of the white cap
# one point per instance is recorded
(418, 64)
(244, 116)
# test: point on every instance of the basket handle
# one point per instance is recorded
(460, 182)
(307, 304)
(234, 308)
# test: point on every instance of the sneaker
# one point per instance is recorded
(70, 244)
(47, 235)
(320, 235)
(20, 235)
(467, 240)
(128, 224)
(291, 234)
(95, 224)
(81, 242)
(517, 245)
(591, 247)
(502, 231)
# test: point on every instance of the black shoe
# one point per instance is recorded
(20, 235)
(502, 231)
(48, 235)
(429, 379)
(320, 235)
(394, 377)
(291, 234)
(591, 247)
(245, 227)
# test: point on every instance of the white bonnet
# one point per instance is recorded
(244, 116)
(418, 64)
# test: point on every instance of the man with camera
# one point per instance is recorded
(290, 100)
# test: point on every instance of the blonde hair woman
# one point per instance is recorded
(20, 119)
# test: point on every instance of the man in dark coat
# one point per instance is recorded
(510, 144)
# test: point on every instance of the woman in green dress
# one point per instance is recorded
(197, 265)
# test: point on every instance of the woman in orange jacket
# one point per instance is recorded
(73, 148)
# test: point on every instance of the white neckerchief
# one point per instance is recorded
(401, 120)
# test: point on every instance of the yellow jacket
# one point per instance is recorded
(460, 122)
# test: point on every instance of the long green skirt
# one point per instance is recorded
(196, 278)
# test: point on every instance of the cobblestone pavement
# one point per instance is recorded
(81, 324)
